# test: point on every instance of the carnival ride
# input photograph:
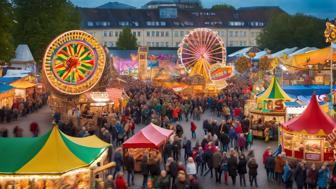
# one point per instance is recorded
(202, 54)
(73, 66)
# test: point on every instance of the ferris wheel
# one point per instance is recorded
(201, 43)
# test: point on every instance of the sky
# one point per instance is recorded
(319, 8)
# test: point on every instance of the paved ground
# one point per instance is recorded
(43, 118)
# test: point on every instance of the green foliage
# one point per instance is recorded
(222, 6)
(283, 31)
(127, 40)
(6, 26)
(39, 21)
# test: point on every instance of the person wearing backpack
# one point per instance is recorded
(287, 176)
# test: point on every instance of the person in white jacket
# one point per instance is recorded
(191, 167)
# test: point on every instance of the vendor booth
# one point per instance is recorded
(304, 137)
(270, 109)
(23, 89)
(150, 140)
(7, 94)
(51, 161)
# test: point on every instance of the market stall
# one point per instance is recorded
(53, 160)
(7, 94)
(23, 89)
(150, 140)
(270, 110)
(304, 137)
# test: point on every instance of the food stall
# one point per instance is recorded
(51, 161)
(150, 139)
(7, 94)
(23, 89)
(270, 109)
(305, 137)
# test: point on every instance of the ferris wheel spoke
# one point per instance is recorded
(218, 49)
(208, 37)
(211, 44)
(190, 43)
(192, 51)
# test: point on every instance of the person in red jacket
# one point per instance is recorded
(266, 154)
(193, 128)
(120, 182)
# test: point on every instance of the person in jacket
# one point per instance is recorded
(173, 169)
(311, 178)
(163, 180)
(287, 176)
(199, 158)
(249, 139)
(233, 166)
(129, 165)
(242, 169)
(323, 177)
(333, 178)
(208, 159)
(216, 162)
(193, 128)
(270, 166)
(120, 182)
(279, 168)
(253, 171)
(144, 170)
(187, 148)
(118, 159)
(300, 175)
(191, 167)
(181, 181)
(241, 142)
(109, 183)
(193, 182)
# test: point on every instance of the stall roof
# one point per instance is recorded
(312, 120)
(303, 50)
(17, 73)
(151, 136)
(240, 52)
(8, 80)
(51, 153)
(274, 91)
(4, 88)
(319, 56)
(22, 84)
(283, 52)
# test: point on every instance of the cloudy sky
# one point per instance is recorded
(319, 8)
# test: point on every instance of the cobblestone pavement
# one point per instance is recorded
(43, 118)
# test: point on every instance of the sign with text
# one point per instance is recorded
(313, 157)
(273, 105)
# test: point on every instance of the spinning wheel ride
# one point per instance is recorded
(74, 63)
(200, 49)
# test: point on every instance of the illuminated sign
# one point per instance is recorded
(219, 71)
(273, 105)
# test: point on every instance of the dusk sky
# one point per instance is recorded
(320, 8)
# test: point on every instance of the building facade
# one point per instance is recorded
(165, 27)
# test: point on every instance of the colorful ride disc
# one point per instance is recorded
(74, 62)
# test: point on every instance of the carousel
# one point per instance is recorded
(305, 137)
(270, 111)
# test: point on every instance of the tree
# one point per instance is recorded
(127, 40)
(39, 21)
(264, 64)
(283, 31)
(6, 26)
(243, 64)
(222, 6)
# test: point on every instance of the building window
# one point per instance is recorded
(163, 23)
(139, 33)
(230, 43)
(106, 33)
(153, 44)
(134, 33)
(236, 34)
(148, 34)
(181, 33)
(153, 33)
(110, 34)
(157, 33)
(167, 34)
(162, 34)
(167, 44)
(123, 23)
(148, 44)
(157, 44)
(177, 44)
(116, 34)
(175, 34)
(231, 33)
(89, 23)
(105, 43)
(162, 44)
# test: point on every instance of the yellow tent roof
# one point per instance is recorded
(21, 84)
(52, 153)
(274, 91)
(202, 68)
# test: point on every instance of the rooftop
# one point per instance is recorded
(175, 17)
(115, 5)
